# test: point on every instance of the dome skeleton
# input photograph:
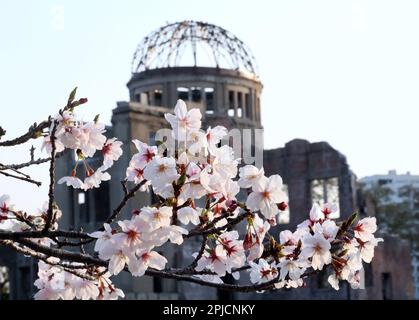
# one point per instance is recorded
(166, 47)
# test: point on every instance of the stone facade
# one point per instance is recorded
(230, 98)
(300, 163)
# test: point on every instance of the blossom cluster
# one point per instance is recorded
(86, 139)
(12, 219)
(310, 247)
(132, 245)
(56, 282)
(201, 189)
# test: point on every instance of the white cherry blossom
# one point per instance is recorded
(161, 171)
(111, 151)
(266, 194)
(317, 248)
(145, 153)
(188, 215)
(262, 271)
(249, 176)
(365, 229)
(183, 121)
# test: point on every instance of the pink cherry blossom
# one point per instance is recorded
(365, 228)
(111, 151)
(266, 194)
(183, 121)
(249, 176)
(145, 153)
(262, 271)
(161, 171)
(317, 248)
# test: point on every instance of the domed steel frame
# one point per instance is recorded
(166, 46)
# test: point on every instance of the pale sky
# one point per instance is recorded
(346, 72)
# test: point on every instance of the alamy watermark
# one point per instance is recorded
(247, 145)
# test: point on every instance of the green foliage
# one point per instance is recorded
(401, 217)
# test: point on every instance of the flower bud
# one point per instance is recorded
(90, 172)
(282, 206)
(248, 241)
(83, 101)
(135, 212)
(231, 205)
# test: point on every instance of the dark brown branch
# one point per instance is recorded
(123, 203)
(200, 253)
(84, 258)
(50, 211)
(5, 235)
(124, 187)
(66, 243)
(29, 163)
(3, 168)
(32, 133)
(38, 183)
(222, 286)
(66, 266)
(230, 223)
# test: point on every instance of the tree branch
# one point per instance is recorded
(4, 235)
(123, 203)
(38, 183)
(50, 211)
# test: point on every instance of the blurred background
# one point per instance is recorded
(332, 83)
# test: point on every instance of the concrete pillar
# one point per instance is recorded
(166, 95)
(235, 101)
(219, 97)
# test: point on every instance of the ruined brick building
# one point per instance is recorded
(224, 84)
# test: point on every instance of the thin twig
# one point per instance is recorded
(6, 235)
(38, 183)
(200, 253)
(30, 134)
(231, 223)
(123, 203)
(50, 211)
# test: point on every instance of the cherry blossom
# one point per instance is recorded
(119, 256)
(55, 282)
(92, 138)
(262, 271)
(334, 281)
(183, 121)
(330, 209)
(234, 251)
(214, 136)
(161, 171)
(111, 152)
(215, 259)
(365, 229)
(249, 176)
(135, 173)
(149, 259)
(145, 153)
(317, 248)
(328, 228)
(253, 240)
(294, 269)
(157, 217)
(47, 145)
(5, 207)
(198, 185)
(74, 182)
(267, 192)
(94, 180)
(188, 215)
(103, 237)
